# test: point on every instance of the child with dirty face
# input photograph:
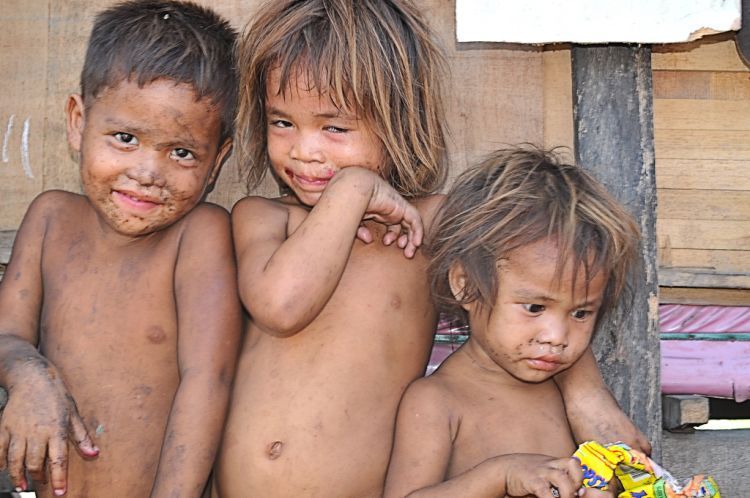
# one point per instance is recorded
(532, 252)
(124, 298)
(340, 99)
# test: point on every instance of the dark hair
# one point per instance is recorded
(376, 58)
(519, 196)
(145, 40)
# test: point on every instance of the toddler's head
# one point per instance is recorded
(371, 62)
(518, 197)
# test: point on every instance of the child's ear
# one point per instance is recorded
(457, 282)
(75, 113)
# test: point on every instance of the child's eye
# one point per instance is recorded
(280, 123)
(581, 314)
(335, 129)
(181, 154)
(126, 138)
(533, 308)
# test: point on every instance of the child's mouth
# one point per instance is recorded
(135, 201)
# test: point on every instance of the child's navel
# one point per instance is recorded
(274, 449)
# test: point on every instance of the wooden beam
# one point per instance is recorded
(707, 296)
(681, 411)
(613, 116)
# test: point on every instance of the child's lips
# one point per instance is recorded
(546, 363)
(136, 200)
(309, 181)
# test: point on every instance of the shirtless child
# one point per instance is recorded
(128, 291)
(340, 99)
(533, 252)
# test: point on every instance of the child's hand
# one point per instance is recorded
(542, 476)
(403, 221)
(36, 423)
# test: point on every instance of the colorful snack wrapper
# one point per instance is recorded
(640, 476)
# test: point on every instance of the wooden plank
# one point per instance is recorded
(697, 174)
(705, 296)
(702, 144)
(723, 454)
(704, 234)
(23, 38)
(558, 98)
(713, 53)
(707, 259)
(614, 140)
(680, 411)
(697, 114)
(6, 245)
(689, 277)
(685, 204)
(681, 85)
(722, 85)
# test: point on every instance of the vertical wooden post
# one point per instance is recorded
(613, 126)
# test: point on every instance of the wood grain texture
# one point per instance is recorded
(701, 114)
(23, 38)
(712, 53)
(612, 100)
(699, 174)
(719, 85)
(679, 411)
(705, 234)
(687, 204)
(706, 296)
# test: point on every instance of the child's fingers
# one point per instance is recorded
(16, 457)
(364, 234)
(392, 233)
(34, 462)
(80, 436)
(58, 465)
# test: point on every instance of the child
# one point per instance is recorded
(533, 252)
(340, 100)
(129, 290)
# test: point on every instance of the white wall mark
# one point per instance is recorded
(8, 131)
(25, 149)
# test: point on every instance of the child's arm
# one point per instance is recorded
(40, 415)
(208, 323)
(288, 275)
(592, 411)
(422, 452)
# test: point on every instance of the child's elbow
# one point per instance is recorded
(281, 320)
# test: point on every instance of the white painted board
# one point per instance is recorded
(593, 21)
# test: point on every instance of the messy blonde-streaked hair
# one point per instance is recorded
(376, 58)
(518, 196)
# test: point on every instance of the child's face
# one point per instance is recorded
(147, 154)
(539, 326)
(310, 139)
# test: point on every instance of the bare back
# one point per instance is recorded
(109, 324)
(313, 414)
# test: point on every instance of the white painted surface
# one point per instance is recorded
(594, 21)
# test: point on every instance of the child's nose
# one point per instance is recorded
(307, 148)
(147, 173)
(554, 332)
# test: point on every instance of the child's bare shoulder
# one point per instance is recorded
(55, 203)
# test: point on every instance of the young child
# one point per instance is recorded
(128, 291)
(340, 100)
(533, 252)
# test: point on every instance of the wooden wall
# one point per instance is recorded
(702, 136)
(494, 95)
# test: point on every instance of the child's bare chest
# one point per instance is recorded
(107, 301)
(504, 422)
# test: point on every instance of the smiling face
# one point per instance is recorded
(539, 324)
(310, 139)
(147, 154)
